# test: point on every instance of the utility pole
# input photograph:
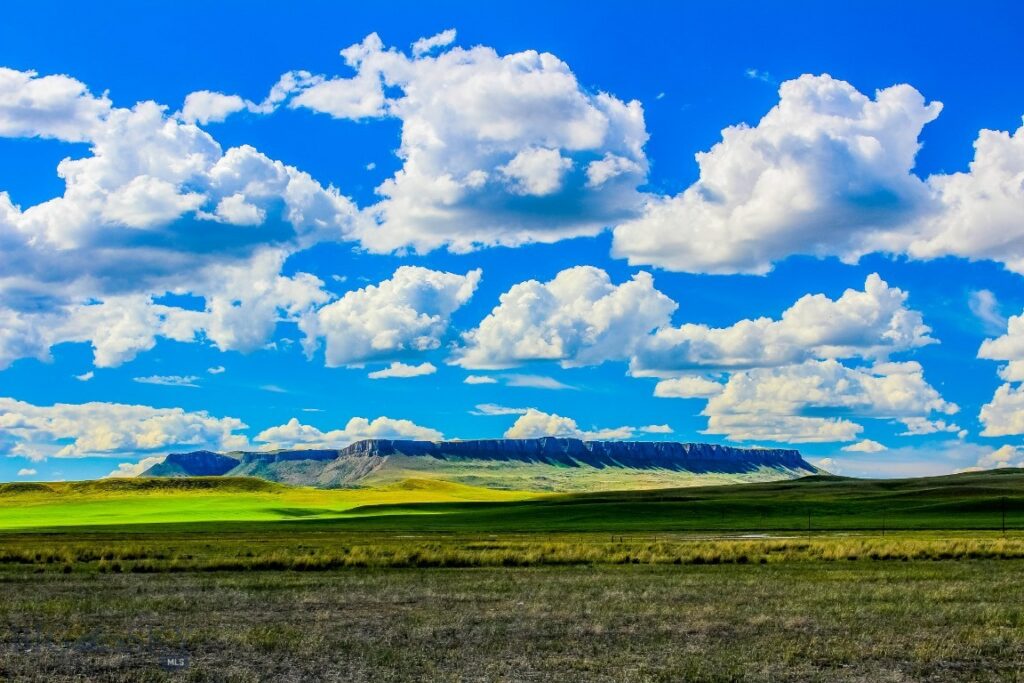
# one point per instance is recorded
(1004, 515)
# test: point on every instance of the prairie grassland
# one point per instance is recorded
(782, 621)
(270, 549)
(714, 584)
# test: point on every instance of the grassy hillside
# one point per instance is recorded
(980, 500)
(210, 499)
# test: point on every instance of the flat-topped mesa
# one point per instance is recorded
(567, 452)
(543, 464)
(268, 457)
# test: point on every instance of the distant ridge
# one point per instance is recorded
(670, 455)
(547, 463)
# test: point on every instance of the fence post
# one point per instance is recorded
(1004, 514)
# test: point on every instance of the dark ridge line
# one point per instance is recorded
(553, 451)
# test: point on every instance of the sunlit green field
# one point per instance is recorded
(169, 501)
(991, 500)
(211, 524)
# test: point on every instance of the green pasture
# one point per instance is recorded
(211, 500)
(991, 501)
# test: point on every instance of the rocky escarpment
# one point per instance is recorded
(547, 463)
(194, 464)
(667, 455)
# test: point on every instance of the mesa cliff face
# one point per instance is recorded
(668, 455)
(194, 464)
(547, 463)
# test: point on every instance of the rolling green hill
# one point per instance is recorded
(210, 499)
(976, 500)
(979, 500)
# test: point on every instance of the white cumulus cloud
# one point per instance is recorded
(655, 429)
(425, 45)
(130, 470)
(56, 106)
(535, 423)
(76, 430)
(1009, 348)
(872, 323)
(402, 371)
(124, 230)
(1004, 414)
(772, 403)
(495, 149)
(578, 318)
(536, 171)
(1004, 456)
(978, 215)
(204, 106)
(864, 446)
(828, 171)
(294, 434)
(402, 316)
(687, 386)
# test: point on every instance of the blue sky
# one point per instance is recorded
(227, 267)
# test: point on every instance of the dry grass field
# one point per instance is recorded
(793, 620)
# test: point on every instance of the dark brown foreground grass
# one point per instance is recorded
(799, 620)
